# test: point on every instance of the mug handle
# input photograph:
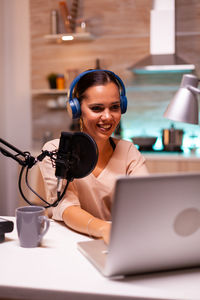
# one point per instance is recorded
(46, 227)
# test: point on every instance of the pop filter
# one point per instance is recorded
(77, 155)
(85, 152)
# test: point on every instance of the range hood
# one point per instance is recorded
(162, 58)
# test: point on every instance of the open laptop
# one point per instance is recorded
(155, 226)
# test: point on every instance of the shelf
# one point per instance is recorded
(49, 92)
(67, 37)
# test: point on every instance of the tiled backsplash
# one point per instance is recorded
(146, 105)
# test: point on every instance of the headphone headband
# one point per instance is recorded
(73, 105)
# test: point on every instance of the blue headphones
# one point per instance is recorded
(73, 105)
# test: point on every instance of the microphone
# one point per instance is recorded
(77, 156)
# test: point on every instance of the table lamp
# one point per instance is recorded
(184, 105)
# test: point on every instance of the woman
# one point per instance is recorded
(86, 206)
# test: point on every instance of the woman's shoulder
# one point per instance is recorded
(126, 147)
(123, 143)
(51, 145)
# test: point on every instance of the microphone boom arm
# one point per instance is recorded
(27, 161)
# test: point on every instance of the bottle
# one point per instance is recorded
(54, 22)
(97, 64)
(60, 82)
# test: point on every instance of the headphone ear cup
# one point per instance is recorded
(123, 104)
(73, 108)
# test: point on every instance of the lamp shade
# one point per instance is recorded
(184, 105)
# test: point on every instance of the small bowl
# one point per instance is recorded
(144, 141)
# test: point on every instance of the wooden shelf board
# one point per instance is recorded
(82, 36)
(49, 92)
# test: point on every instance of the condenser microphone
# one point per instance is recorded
(76, 157)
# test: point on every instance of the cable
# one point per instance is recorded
(32, 190)
(20, 187)
(54, 204)
(60, 196)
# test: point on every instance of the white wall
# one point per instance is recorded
(15, 98)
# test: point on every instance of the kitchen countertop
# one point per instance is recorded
(154, 155)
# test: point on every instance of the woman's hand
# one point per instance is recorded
(80, 220)
(105, 231)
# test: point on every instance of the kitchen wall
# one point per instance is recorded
(121, 38)
(15, 101)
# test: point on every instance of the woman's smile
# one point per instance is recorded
(104, 127)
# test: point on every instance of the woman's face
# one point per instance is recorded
(100, 111)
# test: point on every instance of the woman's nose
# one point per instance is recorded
(106, 114)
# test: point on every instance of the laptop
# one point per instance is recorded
(155, 226)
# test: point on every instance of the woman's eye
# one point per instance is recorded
(115, 107)
(96, 108)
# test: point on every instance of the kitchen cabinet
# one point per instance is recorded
(172, 164)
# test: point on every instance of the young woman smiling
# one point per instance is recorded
(86, 206)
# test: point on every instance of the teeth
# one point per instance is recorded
(105, 126)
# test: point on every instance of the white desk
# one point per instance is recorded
(58, 271)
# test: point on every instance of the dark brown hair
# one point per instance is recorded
(97, 77)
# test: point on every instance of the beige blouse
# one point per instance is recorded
(93, 194)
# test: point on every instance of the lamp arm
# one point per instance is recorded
(193, 89)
